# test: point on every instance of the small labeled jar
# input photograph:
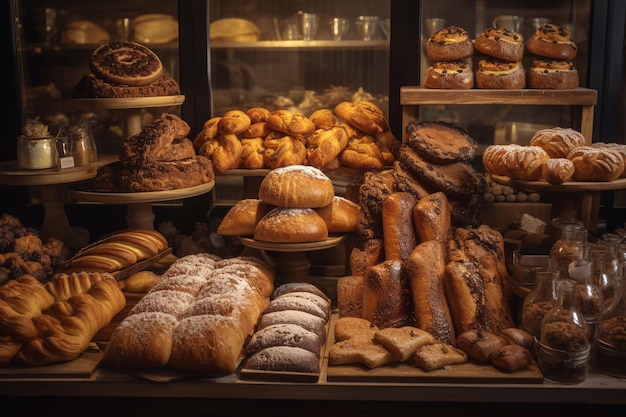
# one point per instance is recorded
(83, 146)
(37, 153)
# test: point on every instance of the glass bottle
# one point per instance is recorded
(570, 245)
(84, 146)
(609, 345)
(539, 301)
(564, 347)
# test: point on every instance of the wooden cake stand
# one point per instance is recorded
(292, 264)
(130, 108)
(139, 205)
(52, 184)
(574, 199)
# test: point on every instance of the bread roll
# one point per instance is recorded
(558, 170)
(497, 74)
(398, 229)
(449, 44)
(449, 75)
(233, 122)
(252, 151)
(297, 186)
(552, 41)
(291, 225)
(512, 358)
(426, 269)
(350, 296)
(363, 115)
(501, 43)
(258, 114)
(526, 162)
(371, 253)
(552, 75)
(341, 216)
(387, 298)
(558, 142)
(141, 282)
(296, 125)
(281, 150)
(480, 345)
(324, 146)
(242, 218)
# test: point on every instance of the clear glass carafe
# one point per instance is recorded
(564, 347)
(539, 301)
(609, 345)
(570, 245)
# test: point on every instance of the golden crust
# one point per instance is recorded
(553, 74)
(449, 44)
(449, 75)
(498, 74)
(501, 43)
(552, 41)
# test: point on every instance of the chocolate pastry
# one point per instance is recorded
(441, 142)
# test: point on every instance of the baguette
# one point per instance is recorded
(426, 268)
(431, 218)
(398, 230)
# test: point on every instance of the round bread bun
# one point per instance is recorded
(341, 216)
(243, 217)
(297, 186)
(233, 122)
(84, 32)
(552, 41)
(291, 225)
(501, 43)
(449, 44)
(155, 28)
(596, 164)
(497, 74)
(126, 63)
(449, 75)
(363, 115)
(618, 147)
(552, 74)
(558, 142)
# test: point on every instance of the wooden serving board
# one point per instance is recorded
(82, 367)
(469, 372)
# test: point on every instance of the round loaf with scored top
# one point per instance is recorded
(558, 142)
(596, 164)
(291, 225)
(297, 186)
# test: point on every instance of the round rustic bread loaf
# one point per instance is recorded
(297, 186)
(291, 225)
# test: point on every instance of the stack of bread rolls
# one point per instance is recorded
(557, 155)
(553, 62)
(355, 135)
(449, 53)
(502, 67)
(296, 204)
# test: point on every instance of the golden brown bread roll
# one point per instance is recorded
(291, 225)
(387, 298)
(363, 115)
(552, 41)
(437, 355)
(252, 150)
(296, 125)
(479, 344)
(283, 150)
(431, 218)
(208, 133)
(141, 282)
(526, 162)
(242, 218)
(558, 170)
(297, 186)
(64, 286)
(512, 358)
(257, 130)
(426, 268)
(227, 153)
(465, 291)
(324, 146)
(233, 122)
(618, 147)
(398, 229)
(341, 215)
(362, 153)
(257, 114)
(323, 119)
(452, 43)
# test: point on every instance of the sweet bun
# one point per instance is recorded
(501, 43)
(494, 73)
(449, 75)
(323, 119)
(242, 218)
(449, 44)
(552, 74)
(363, 115)
(552, 41)
(558, 142)
(324, 146)
(297, 186)
(596, 164)
(258, 114)
(291, 225)
(618, 147)
(293, 124)
(233, 122)
(558, 170)
(283, 150)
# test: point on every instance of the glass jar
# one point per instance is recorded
(38, 153)
(539, 301)
(570, 245)
(84, 146)
(564, 347)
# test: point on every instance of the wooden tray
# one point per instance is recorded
(82, 367)
(572, 186)
(141, 197)
(293, 247)
(130, 102)
(469, 372)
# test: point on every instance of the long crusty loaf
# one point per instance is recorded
(398, 230)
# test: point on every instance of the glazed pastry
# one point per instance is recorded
(552, 74)
(552, 41)
(501, 43)
(449, 75)
(497, 74)
(449, 44)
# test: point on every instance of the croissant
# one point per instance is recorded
(208, 132)
(296, 125)
(233, 122)
(324, 146)
(283, 151)
(323, 119)
(252, 150)
(362, 153)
